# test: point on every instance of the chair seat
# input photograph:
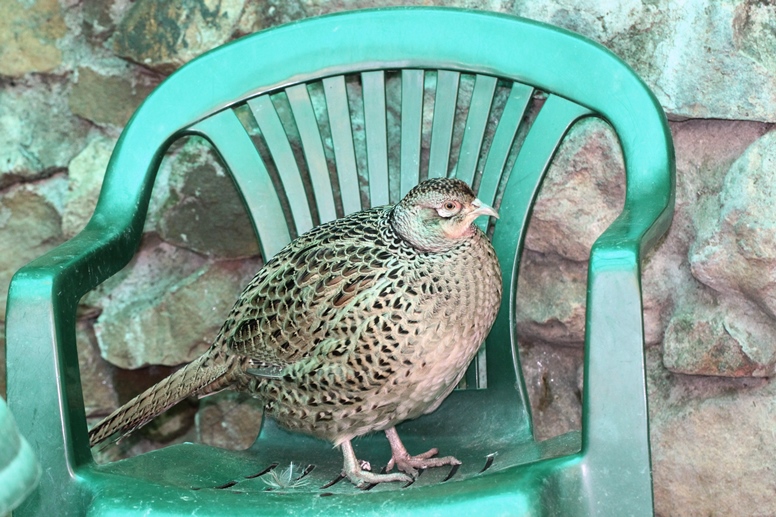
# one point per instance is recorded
(482, 446)
(191, 478)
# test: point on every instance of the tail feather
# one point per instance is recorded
(206, 374)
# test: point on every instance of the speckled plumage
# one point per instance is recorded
(355, 326)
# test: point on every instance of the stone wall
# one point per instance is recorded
(73, 71)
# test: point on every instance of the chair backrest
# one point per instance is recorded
(340, 104)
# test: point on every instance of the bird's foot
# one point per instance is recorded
(358, 472)
(411, 464)
(363, 478)
(402, 459)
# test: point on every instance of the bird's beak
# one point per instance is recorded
(481, 208)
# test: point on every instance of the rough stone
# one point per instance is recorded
(38, 134)
(686, 51)
(723, 323)
(553, 273)
(551, 300)
(174, 423)
(97, 23)
(268, 13)
(735, 252)
(709, 432)
(30, 225)
(85, 174)
(553, 377)
(581, 195)
(167, 307)
(731, 340)
(318, 7)
(711, 442)
(96, 375)
(29, 31)
(705, 150)
(165, 35)
(229, 420)
(205, 213)
(107, 99)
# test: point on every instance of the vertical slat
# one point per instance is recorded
(411, 127)
(543, 139)
(312, 145)
(476, 376)
(442, 127)
(504, 137)
(236, 149)
(476, 120)
(376, 136)
(342, 140)
(277, 142)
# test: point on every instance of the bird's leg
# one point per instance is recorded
(410, 464)
(360, 477)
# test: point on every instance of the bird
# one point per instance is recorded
(354, 327)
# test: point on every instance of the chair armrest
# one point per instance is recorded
(41, 350)
(615, 427)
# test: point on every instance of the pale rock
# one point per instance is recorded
(97, 22)
(723, 323)
(165, 35)
(85, 174)
(38, 134)
(687, 52)
(732, 339)
(735, 253)
(712, 443)
(107, 99)
(167, 307)
(229, 420)
(96, 375)
(581, 195)
(29, 31)
(551, 300)
(705, 151)
(552, 377)
(204, 211)
(30, 225)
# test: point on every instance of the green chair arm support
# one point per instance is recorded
(19, 469)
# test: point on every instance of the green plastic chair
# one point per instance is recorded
(350, 61)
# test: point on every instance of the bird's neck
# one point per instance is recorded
(409, 225)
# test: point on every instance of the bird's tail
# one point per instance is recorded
(207, 374)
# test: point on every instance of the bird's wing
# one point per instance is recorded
(306, 291)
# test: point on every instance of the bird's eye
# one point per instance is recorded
(449, 209)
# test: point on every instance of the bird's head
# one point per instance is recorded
(436, 214)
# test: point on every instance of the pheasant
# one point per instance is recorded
(354, 327)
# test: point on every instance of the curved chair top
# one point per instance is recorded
(505, 46)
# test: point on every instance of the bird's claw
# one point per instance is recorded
(363, 478)
(411, 464)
